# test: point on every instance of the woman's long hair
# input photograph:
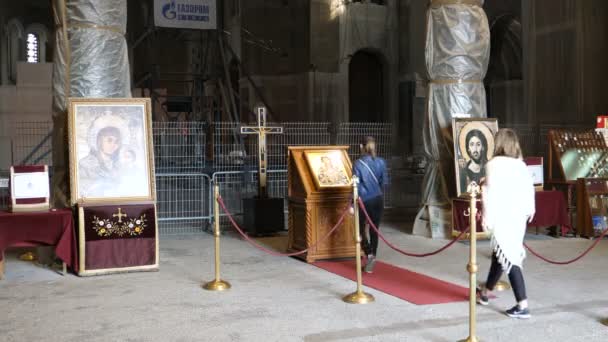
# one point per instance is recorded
(368, 146)
(506, 144)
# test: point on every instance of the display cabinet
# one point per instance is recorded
(592, 208)
(574, 155)
(318, 195)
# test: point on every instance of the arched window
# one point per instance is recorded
(35, 43)
(33, 48)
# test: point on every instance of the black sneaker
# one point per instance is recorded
(371, 262)
(516, 312)
(481, 298)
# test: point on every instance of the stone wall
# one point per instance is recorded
(564, 56)
(412, 73)
(25, 111)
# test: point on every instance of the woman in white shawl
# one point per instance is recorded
(508, 204)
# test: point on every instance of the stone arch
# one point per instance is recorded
(15, 36)
(506, 49)
(504, 79)
(367, 87)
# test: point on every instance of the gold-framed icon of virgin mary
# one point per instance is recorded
(329, 168)
(473, 148)
(111, 151)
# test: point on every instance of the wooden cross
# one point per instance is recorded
(120, 215)
(261, 130)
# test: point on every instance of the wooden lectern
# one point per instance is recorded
(319, 191)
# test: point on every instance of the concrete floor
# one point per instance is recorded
(284, 299)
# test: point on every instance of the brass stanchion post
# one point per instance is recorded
(28, 256)
(357, 297)
(217, 284)
(472, 266)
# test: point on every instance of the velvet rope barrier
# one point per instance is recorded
(371, 224)
(220, 200)
(569, 261)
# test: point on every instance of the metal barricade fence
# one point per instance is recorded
(233, 151)
(184, 202)
(296, 134)
(185, 161)
(351, 133)
(179, 146)
(32, 143)
(234, 186)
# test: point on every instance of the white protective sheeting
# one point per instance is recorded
(91, 60)
(98, 56)
(457, 55)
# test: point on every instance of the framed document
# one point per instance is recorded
(30, 185)
(535, 167)
(111, 153)
(29, 188)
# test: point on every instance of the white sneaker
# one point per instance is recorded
(517, 312)
(371, 262)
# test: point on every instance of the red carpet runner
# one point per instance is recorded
(413, 287)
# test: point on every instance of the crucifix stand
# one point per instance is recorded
(262, 215)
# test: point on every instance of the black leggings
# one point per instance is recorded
(515, 277)
(374, 208)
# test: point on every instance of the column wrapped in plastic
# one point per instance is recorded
(457, 54)
(94, 60)
(99, 61)
(59, 60)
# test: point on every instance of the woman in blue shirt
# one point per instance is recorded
(371, 171)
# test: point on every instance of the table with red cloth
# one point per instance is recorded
(52, 227)
(551, 210)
